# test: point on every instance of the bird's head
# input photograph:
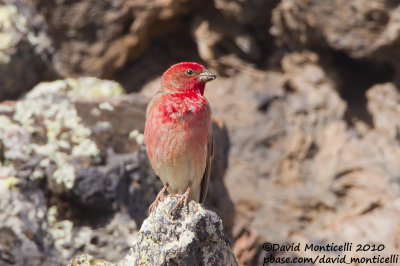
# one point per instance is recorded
(186, 76)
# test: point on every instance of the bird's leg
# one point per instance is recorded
(182, 198)
(160, 197)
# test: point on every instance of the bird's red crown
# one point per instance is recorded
(184, 77)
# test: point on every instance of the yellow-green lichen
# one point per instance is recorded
(5, 122)
(5, 41)
(36, 175)
(10, 182)
(52, 215)
(85, 148)
(143, 261)
(65, 174)
(12, 26)
(61, 231)
(9, 17)
(9, 20)
(97, 87)
(84, 87)
(6, 14)
(14, 139)
(85, 260)
(106, 106)
(66, 135)
(82, 238)
(137, 136)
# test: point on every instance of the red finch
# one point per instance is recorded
(178, 133)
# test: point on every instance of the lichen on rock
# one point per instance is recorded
(25, 50)
(9, 20)
(188, 237)
(23, 227)
(14, 141)
(54, 119)
(48, 113)
(51, 139)
(80, 87)
(87, 260)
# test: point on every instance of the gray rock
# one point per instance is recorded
(72, 131)
(25, 51)
(79, 142)
(190, 238)
(110, 241)
(24, 236)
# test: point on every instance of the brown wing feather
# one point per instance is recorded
(206, 176)
(153, 101)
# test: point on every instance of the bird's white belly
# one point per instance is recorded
(179, 173)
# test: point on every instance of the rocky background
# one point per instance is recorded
(306, 120)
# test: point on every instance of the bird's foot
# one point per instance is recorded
(182, 199)
(160, 197)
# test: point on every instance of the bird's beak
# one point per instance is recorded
(207, 76)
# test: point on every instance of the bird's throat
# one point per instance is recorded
(181, 103)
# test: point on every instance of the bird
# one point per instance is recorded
(178, 134)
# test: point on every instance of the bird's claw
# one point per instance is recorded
(160, 197)
(182, 199)
(154, 205)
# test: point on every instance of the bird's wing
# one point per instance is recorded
(206, 176)
(149, 109)
(153, 101)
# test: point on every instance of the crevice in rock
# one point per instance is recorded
(353, 78)
(77, 213)
(163, 51)
(371, 207)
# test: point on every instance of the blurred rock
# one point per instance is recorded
(24, 236)
(232, 30)
(294, 157)
(98, 39)
(358, 28)
(7, 108)
(25, 51)
(194, 237)
(217, 37)
(110, 240)
(79, 142)
(73, 148)
(383, 104)
(68, 141)
(218, 198)
(87, 45)
(253, 12)
(87, 260)
(247, 247)
(15, 141)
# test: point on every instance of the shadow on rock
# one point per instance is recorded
(218, 197)
(143, 187)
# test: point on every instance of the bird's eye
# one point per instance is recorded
(189, 72)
